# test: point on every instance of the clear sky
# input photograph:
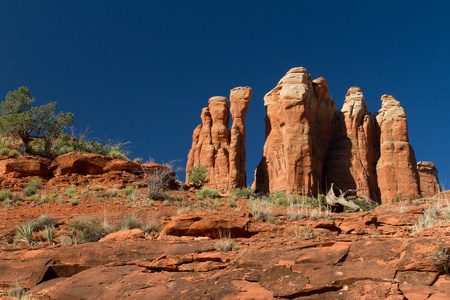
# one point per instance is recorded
(141, 71)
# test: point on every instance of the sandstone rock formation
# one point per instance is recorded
(24, 166)
(299, 118)
(354, 150)
(213, 146)
(429, 183)
(396, 169)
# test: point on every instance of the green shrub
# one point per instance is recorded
(152, 226)
(245, 193)
(43, 221)
(198, 175)
(280, 199)
(138, 160)
(4, 151)
(441, 260)
(207, 193)
(117, 154)
(131, 222)
(97, 188)
(262, 211)
(14, 152)
(231, 203)
(71, 192)
(49, 198)
(49, 234)
(25, 233)
(32, 187)
(159, 195)
(66, 240)
(6, 194)
(91, 229)
(112, 193)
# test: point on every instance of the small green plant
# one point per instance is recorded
(25, 233)
(43, 221)
(280, 199)
(35, 199)
(166, 203)
(32, 187)
(117, 154)
(49, 234)
(232, 203)
(97, 188)
(306, 232)
(207, 193)
(91, 229)
(138, 160)
(14, 152)
(131, 222)
(152, 226)
(295, 215)
(441, 260)
(6, 194)
(49, 198)
(74, 201)
(179, 198)
(71, 192)
(244, 193)
(262, 211)
(112, 193)
(198, 176)
(4, 151)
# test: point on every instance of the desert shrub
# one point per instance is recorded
(71, 192)
(280, 199)
(262, 210)
(226, 244)
(207, 193)
(32, 187)
(4, 151)
(441, 260)
(138, 160)
(25, 233)
(49, 198)
(306, 232)
(198, 175)
(117, 154)
(43, 221)
(157, 180)
(131, 222)
(231, 203)
(97, 188)
(49, 234)
(35, 199)
(245, 193)
(152, 226)
(428, 219)
(14, 152)
(6, 194)
(18, 292)
(91, 230)
(112, 193)
(183, 210)
(295, 215)
(66, 240)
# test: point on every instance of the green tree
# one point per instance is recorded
(20, 119)
(198, 175)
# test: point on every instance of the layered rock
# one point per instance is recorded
(396, 169)
(213, 145)
(429, 183)
(354, 150)
(299, 116)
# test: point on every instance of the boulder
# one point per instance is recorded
(213, 145)
(123, 165)
(23, 166)
(354, 150)
(429, 182)
(396, 169)
(299, 119)
(79, 162)
(124, 235)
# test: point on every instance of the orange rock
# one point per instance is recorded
(299, 119)
(79, 162)
(122, 165)
(354, 150)
(429, 182)
(124, 235)
(396, 169)
(24, 166)
(214, 147)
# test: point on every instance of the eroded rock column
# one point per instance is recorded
(429, 182)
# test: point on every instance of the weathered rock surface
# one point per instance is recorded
(354, 150)
(396, 169)
(299, 119)
(23, 166)
(429, 182)
(214, 147)
(79, 162)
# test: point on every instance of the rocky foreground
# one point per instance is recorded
(379, 254)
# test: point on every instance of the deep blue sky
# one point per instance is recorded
(141, 71)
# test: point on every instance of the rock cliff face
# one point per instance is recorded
(396, 169)
(354, 150)
(429, 183)
(299, 117)
(213, 145)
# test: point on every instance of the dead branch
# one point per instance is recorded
(333, 200)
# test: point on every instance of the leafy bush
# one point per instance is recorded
(43, 221)
(71, 192)
(442, 261)
(6, 194)
(138, 160)
(198, 176)
(4, 151)
(131, 222)
(25, 233)
(245, 193)
(49, 198)
(117, 154)
(231, 203)
(32, 187)
(91, 229)
(207, 193)
(14, 152)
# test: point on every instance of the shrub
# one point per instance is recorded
(25, 233)
(428, 219)
(295, 215)
(32, 187)
(157, 181)
(66, 240)
(442, 261)
(112, 193)
(71, 192)
(49, 234)
(138, 160)
(245, 193)
(97, 188)
(226, 244)
(207, 193)
(14, 152)
(117, 154)
(262, 211)
(152, 226)
(18, 292)
(6, 194)
(231, 203)
(198, 176)
(42, 222)
(49, 198)
(91, 229)
(4, 151)
(280, 199)
(131, 222)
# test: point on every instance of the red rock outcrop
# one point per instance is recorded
(354, 150)
(79, 162)
(214, 147)
(429, 183)
(299, 119)
(23, 166)
(396, 169)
